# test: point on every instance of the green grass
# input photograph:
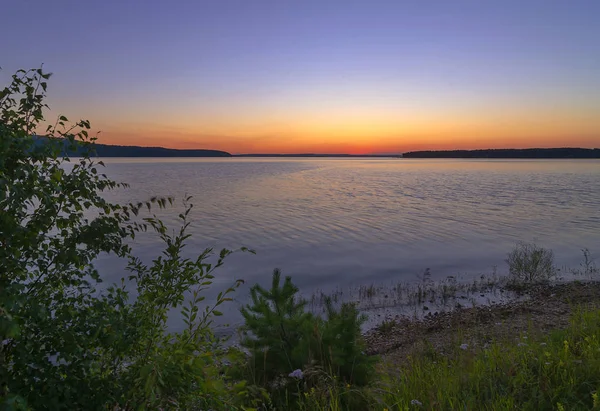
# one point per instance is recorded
(559, 371)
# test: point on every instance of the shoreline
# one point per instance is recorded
(546, 307)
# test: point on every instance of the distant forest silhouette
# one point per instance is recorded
(321, 155)
(541, 153)
(105, 150)
(108, 150)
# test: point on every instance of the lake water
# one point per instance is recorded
(333, 223)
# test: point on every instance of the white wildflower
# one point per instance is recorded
(464, 346)
(296, 374)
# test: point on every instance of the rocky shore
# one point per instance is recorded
(547, 307)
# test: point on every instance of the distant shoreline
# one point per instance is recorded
(322, 155)
(527, 153)
(107, 150)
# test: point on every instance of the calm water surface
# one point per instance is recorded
(339, 222)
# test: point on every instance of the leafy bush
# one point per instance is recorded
(63, 343)
(287, 344)
(529, 263)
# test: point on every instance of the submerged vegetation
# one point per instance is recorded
(66, 343)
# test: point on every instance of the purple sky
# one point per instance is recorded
(285, 76)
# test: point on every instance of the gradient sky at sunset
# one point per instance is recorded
(322, 76)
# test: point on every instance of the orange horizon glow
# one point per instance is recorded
(367, 123)
(370, 136)
(250, 147)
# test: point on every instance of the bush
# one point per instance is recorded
(529, 263)
(340, 346)
(292, 351)
(63, 343)
(276, 330)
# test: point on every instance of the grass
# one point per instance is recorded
(559, 371)
(588, 266)
(536, 374)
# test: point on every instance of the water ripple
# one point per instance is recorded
(332, 221)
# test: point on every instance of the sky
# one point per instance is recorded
(326, 76)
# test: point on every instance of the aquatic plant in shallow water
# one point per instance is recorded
(529, 263)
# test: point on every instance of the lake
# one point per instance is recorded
(332, 223)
